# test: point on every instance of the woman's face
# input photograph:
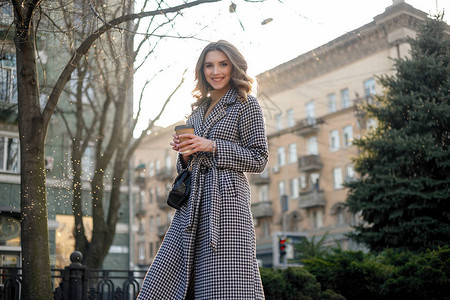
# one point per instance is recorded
(217, 70)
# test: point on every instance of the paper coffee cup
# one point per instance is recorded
(182, 129)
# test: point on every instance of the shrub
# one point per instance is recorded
(293, 284)
(423, 276)
(354, 275)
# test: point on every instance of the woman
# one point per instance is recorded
(209, 250)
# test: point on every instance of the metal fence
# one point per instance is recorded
(76, 282)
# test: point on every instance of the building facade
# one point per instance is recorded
(53, 54)
(313, 111)
(10, 247)
(155, 171)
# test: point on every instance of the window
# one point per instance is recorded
(303, 182)
(157, 192)
(6, 10)
(157, 166)
(340, 216)
(141, 225)
(8, 77)
(141, 200)
(158, 221)
(337, 178)
(151, 195)
(292, 153)
(281, 188)
(151, 169)
(314, 179)
(281, 157)
(141, 251)
(350, 172)
(9, 154)
(310, 113)
(294, 188)
(263, 193)
(332, 107)
(334, 140)
(168, 162)
(313, 148)
(265, 230)
(278, 121)
(317, 219)
(151, 224)
(290, 118)
(369, 87)
(345, 98)
(348, 136)
(151, 250)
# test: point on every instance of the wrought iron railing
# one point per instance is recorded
(76, 282)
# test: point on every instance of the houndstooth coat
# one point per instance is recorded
(209, 250)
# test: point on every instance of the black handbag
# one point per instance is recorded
(181, 188)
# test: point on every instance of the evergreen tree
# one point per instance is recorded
(403, 195)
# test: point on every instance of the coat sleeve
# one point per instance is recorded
(251, 154)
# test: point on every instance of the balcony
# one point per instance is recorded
(312, 199)
(262, 178)
(140, 212)
(164, 174)
(309, 163)
(162, 229)
(262, 209)
(308, 126)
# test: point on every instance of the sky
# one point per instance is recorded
(297, 27)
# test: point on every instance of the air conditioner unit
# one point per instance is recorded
(275, 169)
(48, 163)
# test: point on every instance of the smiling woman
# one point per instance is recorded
(217, 70)
(209, 250)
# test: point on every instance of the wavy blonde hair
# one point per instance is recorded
(240, 80)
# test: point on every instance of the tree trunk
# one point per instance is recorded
(36, 282)
(81, 242)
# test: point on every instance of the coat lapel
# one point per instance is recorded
(219, 111)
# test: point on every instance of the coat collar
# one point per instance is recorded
(218, 112)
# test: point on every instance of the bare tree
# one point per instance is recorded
(33, 126)
(104, 122)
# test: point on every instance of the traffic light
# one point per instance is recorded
(282, 246)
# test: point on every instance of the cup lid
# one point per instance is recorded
(183, 127)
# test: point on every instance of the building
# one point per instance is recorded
(53, 55)
(312, 107)
(154, 174)
(10, 249)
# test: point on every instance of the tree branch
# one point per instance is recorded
(87, 43)
(136, 143)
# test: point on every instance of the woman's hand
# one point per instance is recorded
(175, 142)
(192, 145)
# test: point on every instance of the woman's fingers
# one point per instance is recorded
(194, 144)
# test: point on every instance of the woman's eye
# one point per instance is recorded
(224, 64)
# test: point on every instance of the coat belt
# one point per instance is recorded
(206, 165)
